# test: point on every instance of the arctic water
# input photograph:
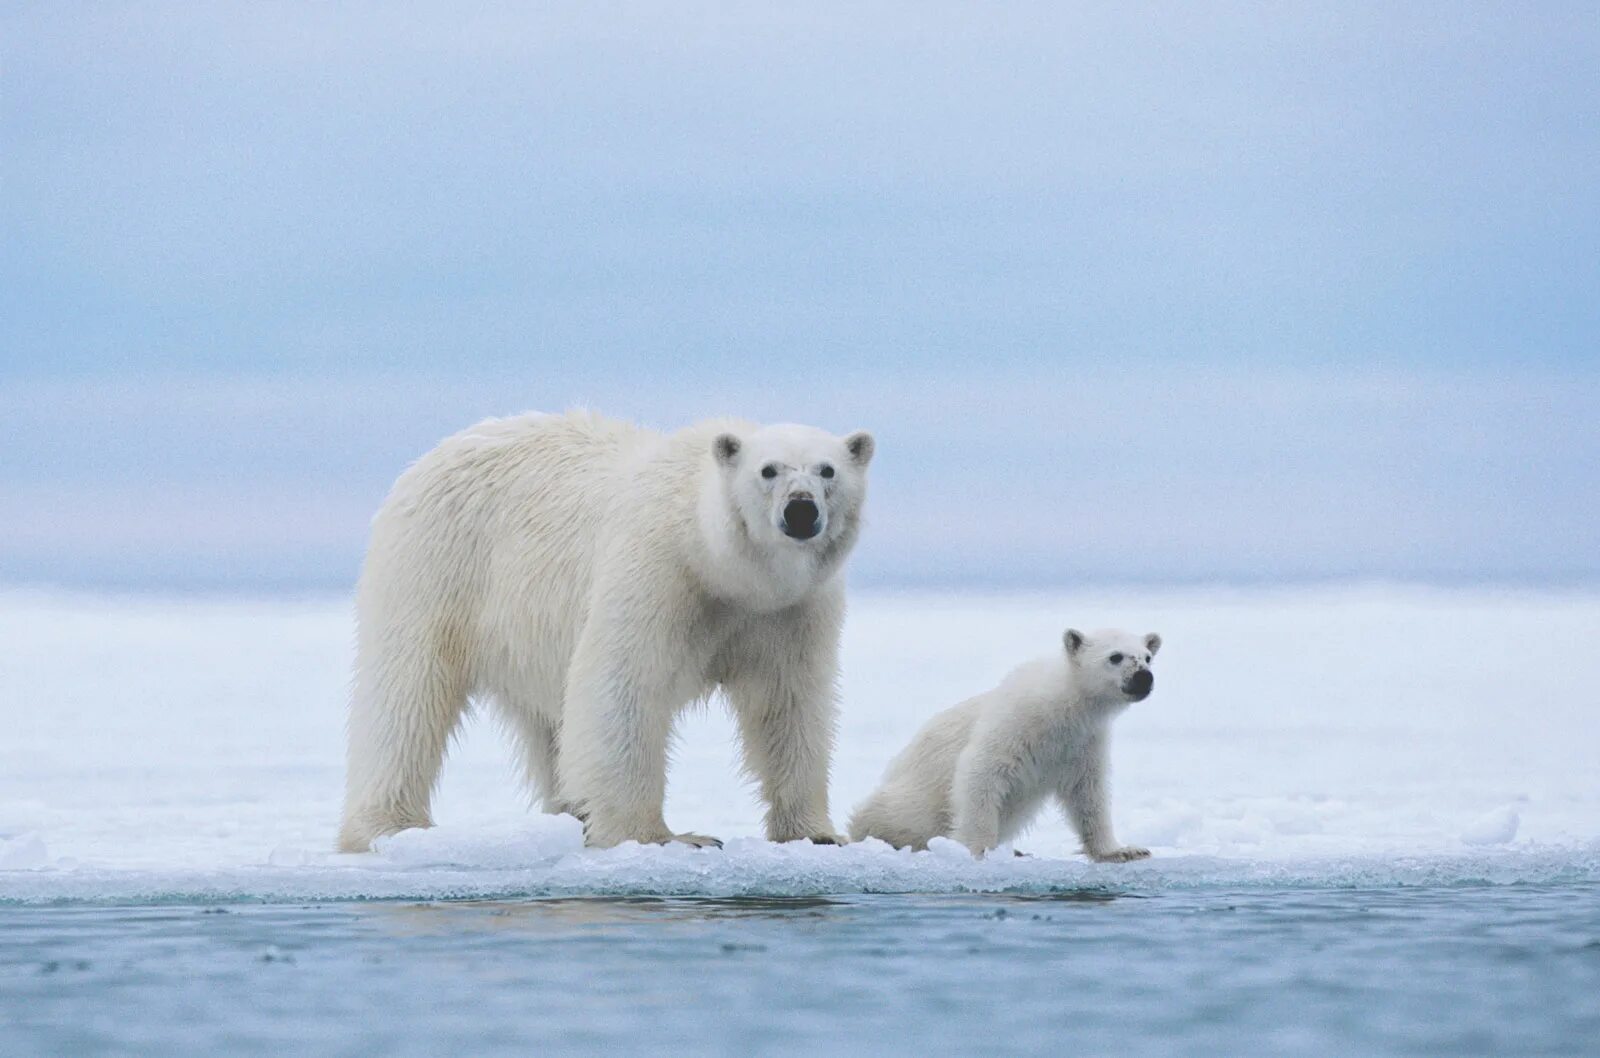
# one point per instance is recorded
(1427, 971)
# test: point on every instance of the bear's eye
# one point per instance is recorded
(1115, 659)
(1147, 659)
(769, 471)
(826, 471)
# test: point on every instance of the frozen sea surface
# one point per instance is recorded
(1374, 811)
(193, 750)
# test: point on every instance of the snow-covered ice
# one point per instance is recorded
(174, 750)
(1494, 828)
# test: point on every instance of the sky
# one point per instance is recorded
(1128, 293)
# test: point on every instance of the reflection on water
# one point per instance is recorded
(559, 915)
(1509, 969)
(546, 914)
(1071, 896)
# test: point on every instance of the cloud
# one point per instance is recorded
(990, 477)
(244, 189)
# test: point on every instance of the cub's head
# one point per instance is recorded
(795, 485)
(1113, 664)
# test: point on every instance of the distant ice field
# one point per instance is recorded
(191, 751)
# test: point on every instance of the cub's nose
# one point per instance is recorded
(801, 519)
(1139, 685)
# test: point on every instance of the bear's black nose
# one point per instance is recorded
(801, 518)
(1138, 685)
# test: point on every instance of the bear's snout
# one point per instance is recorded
(1139, 685)
(801, 518)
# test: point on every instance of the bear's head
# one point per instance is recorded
(1112, 664)
(795, 485)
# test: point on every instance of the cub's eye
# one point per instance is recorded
(1115, 659)
(769, 471)
(826, 471)
(1147, 659)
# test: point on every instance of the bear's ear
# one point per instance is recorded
(1073, 640)
(860, 445)
(1152, 643)
(726, 448)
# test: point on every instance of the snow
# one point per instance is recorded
(1495, 828)
(177, 750)
(23, 851)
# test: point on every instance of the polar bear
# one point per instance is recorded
(591, 578)
(979, 771)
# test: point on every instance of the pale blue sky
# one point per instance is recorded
(1215, 292)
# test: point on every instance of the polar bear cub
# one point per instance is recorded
(979, 771)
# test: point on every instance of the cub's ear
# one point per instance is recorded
(726, 448)
(860, 446)
(1073, 639)
(1152, 643)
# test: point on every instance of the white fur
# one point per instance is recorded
(979, 771)
(591, 579)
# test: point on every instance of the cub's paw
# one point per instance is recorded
(1122, 855)
(701, 841)
(828, 839)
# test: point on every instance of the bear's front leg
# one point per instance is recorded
(780, 675)
(617, 719)
(614, 775)
(1120, 854)
(787, 742)
(613, 768)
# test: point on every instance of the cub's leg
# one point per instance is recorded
(976, 798)
(1086, 801)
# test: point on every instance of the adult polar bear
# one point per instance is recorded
(592, 578)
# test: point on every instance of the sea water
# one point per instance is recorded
(1426, 971)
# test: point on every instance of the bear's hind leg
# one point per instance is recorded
(538, 740)
(406, 704)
